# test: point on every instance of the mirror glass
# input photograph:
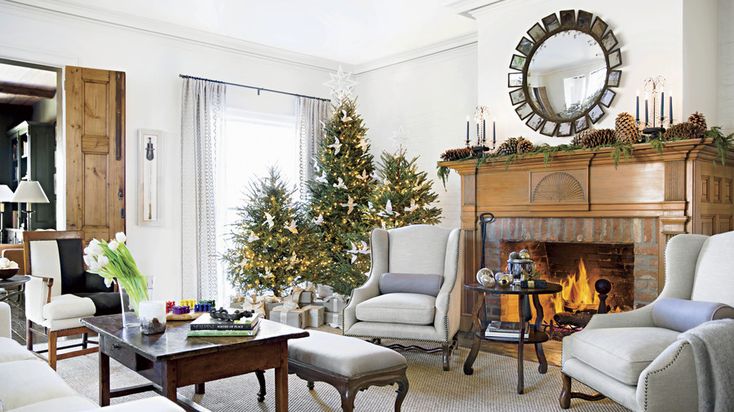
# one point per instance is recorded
(566, 75)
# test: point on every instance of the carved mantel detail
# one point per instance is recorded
(567, 186)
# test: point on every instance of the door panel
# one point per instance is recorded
(95, 152)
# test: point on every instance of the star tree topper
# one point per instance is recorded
(340, 86)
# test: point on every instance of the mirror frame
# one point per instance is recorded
(549, 26)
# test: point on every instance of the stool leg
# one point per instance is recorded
(348, 399)
(261, 380)
(52, 340)
(29, 335)
(85, 340)
(310, 385)
(402, 393)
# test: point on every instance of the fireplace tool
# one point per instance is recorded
(484, 220)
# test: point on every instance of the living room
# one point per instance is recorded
(459, 205)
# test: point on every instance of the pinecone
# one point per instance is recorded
(626, 128)
(508, 147)
(601, 137)
(579, 138)
(524, 145)
(685, 130)
(699, 120)
(456, 154)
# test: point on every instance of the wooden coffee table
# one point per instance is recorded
(171, 360)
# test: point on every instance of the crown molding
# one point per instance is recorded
(174, 31)
(426, 51)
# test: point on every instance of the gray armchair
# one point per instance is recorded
(418, 249)
(625, 357)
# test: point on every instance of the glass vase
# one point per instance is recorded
(129, 317)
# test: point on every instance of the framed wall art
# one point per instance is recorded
(149, 152)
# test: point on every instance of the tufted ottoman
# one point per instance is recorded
(348, 364)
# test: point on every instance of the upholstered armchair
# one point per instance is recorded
(61, 292)
(411, 251)
(629, 358)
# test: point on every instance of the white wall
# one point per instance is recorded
(152, 63)
(726, 65)
(424, 101)
(700, 55)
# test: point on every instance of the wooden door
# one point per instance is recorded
(95, 152)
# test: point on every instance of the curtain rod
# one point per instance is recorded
(259, 89)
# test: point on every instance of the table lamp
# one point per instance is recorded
(5, 196)
(29, 192)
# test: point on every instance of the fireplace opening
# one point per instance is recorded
(576, 267)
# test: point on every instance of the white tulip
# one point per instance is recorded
(103, 261)
(95, 250)
(120, 237)
(93, 242)
(88, 259)
(108, 282)
(114, 245)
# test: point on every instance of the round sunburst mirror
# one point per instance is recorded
(562, 79)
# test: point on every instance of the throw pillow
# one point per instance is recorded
(681, 315)
(410, 283)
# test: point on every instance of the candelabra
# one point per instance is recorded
(652, 86)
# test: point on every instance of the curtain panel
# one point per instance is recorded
(202, 124)
(310, 116)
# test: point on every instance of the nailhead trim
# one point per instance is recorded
(647, 377)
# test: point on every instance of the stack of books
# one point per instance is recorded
(505, 330)
(205, 326)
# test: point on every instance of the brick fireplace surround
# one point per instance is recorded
(582, 196)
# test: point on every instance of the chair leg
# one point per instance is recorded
(446, 348)
(565, 398)
(402, 392)
(348, 400)
(52, 343)
(261, 381)
(85, 340)
(29, 335)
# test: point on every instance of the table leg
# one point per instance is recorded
(104, 378)
(520, 348)
(281, 381)
(476, 327)
(543, 363)
(168, 389)
(199, 388)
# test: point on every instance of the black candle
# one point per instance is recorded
(637, 108)
(662, 107)
(467, 131)
(484, 131)
(647, 120)
(494, 134)
(670, 108)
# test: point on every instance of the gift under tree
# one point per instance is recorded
(342, 185)
(272, 246)
(403, 195)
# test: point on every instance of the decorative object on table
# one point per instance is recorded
(169, 305)
(626, 129)
(485, 277)
(152, 315)
(222, 323)
(575, 40)
(503, 279)
(6, 195)
(520, 265)
(315, 316)
(596, 138)
(191, 303)
(149, 205)
(504, 330)
(113, 261)
(8, 268)
(223, 315)
(29, 192)
(533, 284)
(273, 247)
(289, 315)
(402, 196)
(456, 154)
(180, 309)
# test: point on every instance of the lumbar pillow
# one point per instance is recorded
(410, 283)
(682, 315)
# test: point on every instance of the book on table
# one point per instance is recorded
(205, 322)
(223, 332)
(505, 330)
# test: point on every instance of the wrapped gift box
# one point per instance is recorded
(318, 302)
(295, 317)
(335, 303)
(268, 307)
(333, 319)
(315, 316)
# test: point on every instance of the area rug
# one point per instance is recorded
(491, 388)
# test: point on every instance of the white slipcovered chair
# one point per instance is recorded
(418, 249)
(626, 357)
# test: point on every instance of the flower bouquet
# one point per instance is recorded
(114, 262)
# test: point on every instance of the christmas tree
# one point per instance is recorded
(403, 194)
(272, 244)
(342, 184)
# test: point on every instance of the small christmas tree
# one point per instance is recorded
(342, 184)
(272, 245)
(403, 194)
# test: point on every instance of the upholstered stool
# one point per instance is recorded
(348, 364)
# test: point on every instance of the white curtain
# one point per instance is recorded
(202, 123)
(310, 113)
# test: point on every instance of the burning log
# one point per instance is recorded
(577, 320)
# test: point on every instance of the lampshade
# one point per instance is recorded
(29, 191)
(5, 193)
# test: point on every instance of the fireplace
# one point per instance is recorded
(577, 267)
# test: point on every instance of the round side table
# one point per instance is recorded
(535, 335)
(16, 281)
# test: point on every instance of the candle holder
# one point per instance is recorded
(481, 115)
(652, 86)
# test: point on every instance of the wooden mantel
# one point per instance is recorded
(682, 187)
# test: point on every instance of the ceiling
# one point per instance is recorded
(24, 85)
(352, 32)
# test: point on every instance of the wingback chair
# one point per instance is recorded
(626, 357)
(412, 250)
(61, 292)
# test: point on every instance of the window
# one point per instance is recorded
(251, 143)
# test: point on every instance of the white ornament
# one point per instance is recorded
(319, 220)
(322, 178)
(340, 86)
(345, 117)
(388, 209)
(340, 184)
(364, 144)
(269, 221)
(253, 238)
(412, 206)
(337, 146)
(349, 205)
(364, 176)
(292, 227)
